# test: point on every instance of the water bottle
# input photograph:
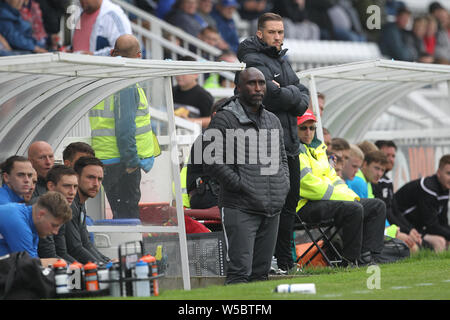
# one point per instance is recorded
(296, 288)
(103, 274)
(114, 274)
(91, 276)
(75, 276)
(153, 271)
(61, 277)
(142, 288)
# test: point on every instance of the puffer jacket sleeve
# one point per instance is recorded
(292, 98)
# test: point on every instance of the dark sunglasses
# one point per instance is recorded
(303, 128)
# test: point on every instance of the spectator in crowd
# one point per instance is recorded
(345, 21)
(21, 226)
(324, 196)
(52, 12)
(252, 194)
(371, 171)
(191, 100)
(430, 35)
(184, 16)
(17, 175)
(424, 202)
(442, 48)
(41, 156)
(31, 12)
(223, 15)
(101, 23)
(393, 37)
(415, 41)
(17, 32)
(212, 37)
(354, 163)
(164, 8)
(215, 80)
(204, 11)
(76, 150)
(124, 139)
(251, 10)
(90, 175)
(384, 190)
(287, 99)
(64, 180)
(317, 11)
(295, 20)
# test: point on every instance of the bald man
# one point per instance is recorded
(126, 145)
(42, 158)
(252, 189)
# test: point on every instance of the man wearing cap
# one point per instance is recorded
(223, 15)
(287, 99)
(324, 195)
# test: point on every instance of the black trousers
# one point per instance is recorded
(250, 240)
(283, 251)
(362, 223)
(123, 191)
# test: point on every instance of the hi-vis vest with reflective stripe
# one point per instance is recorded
(318, 180)
(104, 141)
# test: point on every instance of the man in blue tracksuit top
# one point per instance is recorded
(21, 226)
(17, 176)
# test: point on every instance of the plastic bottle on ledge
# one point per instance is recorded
(61, 277)
(142, 288)
(91, 276)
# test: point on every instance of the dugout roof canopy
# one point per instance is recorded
(43, 96)
(359, 92)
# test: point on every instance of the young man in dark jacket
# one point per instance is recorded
(424, 203)
(246, 155)
(287, 99)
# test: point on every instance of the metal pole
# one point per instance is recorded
(315, 105)
(173, 149)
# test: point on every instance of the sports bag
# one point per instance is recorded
(23, 278)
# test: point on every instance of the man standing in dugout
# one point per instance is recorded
(287, 99)
(253, 191)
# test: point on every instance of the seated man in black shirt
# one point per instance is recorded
(190, 100)
(424, 203)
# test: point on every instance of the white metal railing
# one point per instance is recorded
(154, 45)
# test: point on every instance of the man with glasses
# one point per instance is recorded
(324, 195)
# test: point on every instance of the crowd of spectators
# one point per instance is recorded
(34, 25)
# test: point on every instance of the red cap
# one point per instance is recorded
(90, 266)
(308, 115)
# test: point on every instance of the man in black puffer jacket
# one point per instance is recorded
(244, 152)
(287, 99)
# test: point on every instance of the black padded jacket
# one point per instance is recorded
(289, 100)
(253, 176)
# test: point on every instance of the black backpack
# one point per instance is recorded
(23, 278)
(393, 250)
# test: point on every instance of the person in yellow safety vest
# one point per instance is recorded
(123, 139)
(324, 196)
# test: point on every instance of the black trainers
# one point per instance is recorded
(366, 259)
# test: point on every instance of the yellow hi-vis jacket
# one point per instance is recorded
(318, 179)
(103, 126)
